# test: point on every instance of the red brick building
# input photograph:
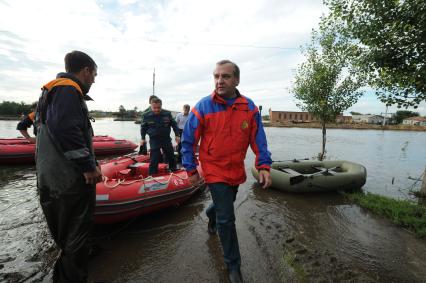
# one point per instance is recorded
(301, 117)
(291, 116)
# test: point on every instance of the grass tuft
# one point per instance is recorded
(290, 259)
(401, 212)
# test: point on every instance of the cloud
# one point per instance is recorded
(181, 39)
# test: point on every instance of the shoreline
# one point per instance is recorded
(10, 118)
(267, 123)
(346, 126)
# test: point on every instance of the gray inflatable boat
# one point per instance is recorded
(316, 176)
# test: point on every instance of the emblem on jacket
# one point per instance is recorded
(244, 125)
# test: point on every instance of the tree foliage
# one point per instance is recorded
(123, 113)
(325, 84)
(10, 108)
(391, 47)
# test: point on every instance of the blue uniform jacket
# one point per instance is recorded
(158, 127)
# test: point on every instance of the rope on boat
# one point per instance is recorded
(124, 183)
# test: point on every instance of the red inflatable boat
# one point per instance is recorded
(128, 191)
(20, 151)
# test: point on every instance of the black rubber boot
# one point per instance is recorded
(235, 276)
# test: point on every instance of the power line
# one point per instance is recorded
(215, 44)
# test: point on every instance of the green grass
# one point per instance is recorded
(290, 259)
(401, 212)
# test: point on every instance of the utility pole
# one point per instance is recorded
(386, 114)
(153, 82)
(423, 188)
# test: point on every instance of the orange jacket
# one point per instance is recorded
(225, 131)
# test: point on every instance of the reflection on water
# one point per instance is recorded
(22, 228)
(328, 222)
(152, 244)
(173, 245)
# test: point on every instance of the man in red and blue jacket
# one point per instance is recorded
(227, 123)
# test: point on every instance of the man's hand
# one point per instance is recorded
(93, 177)
(177, 139)
(27, 136)
(142, 142)
(195, 179)
(264, 178)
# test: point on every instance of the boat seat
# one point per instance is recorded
(290, 171)
(323, 170)
(295, 177)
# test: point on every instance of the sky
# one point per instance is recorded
(181, 39)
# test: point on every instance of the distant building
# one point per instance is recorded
(376, 119)
(301, 117)
(368, 119)
(360, 118)
(414, 121)
(344, 119)
(291, 116)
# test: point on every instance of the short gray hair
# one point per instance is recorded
(236, 69)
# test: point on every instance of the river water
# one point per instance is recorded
(329, 237)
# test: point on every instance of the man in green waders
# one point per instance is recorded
(67, 171)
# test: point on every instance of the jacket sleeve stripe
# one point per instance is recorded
(190, 139)
(259, 145)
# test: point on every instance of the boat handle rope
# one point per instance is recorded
(124, 183)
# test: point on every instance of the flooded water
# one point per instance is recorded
(331, 238)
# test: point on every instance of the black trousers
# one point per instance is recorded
(179, 146)
(70, 219)
(143, 149)
(155, 157)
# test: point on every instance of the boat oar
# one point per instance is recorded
(297, 177)
(294, 160)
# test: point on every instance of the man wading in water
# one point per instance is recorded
(227, 123)
(67, 171)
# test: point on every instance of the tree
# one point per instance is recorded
(122, 111)
(400, 115)
(355, 113)
(389, 38)
(325, 85)
(11, 108)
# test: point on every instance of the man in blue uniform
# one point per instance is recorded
(157, 124)
(143, 148)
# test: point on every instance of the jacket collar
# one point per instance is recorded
(218, 99)
(80, 84)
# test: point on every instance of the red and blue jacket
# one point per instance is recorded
(225, 131)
